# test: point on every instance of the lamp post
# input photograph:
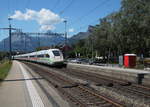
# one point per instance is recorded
(65, 32)
(65, 21)
(10, 51)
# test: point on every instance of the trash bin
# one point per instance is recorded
(130, 60)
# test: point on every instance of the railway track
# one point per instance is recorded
(78, 94)
(108, 81)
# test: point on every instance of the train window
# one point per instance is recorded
(39, 56)
(47, 56)
(56, 53)
(25, 56)
(32, 56)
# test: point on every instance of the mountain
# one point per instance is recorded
(24, 42)
(21, 42)
(81, 35)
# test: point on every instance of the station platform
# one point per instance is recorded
(20, 89)
(132, 75)
(116, 68)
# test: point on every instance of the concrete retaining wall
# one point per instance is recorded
(119, 73)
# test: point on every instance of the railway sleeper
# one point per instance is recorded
(96, 99)
(98, 84)
(105, 84)
(98, 102)
(126, 84)
(70, 86)
(110, 84)
(90, 100)
(81, 96)
(106, 105)
(85, 84)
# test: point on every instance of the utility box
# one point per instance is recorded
(121, 60)
(130, 60)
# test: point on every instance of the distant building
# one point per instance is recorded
(66, 48)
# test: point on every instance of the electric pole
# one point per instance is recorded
(92, 48)
(10, 39)
(39, 44)
(25, 43)
(65, 39)
(65, 32)
(10, 29)
(4, 45)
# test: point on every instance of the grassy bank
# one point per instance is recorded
(4, 69)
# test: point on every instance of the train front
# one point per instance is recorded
(57, 57)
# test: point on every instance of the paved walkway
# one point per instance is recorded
(13, 91)
(20, 90)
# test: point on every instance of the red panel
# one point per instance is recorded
(126, 61)
(130, 61)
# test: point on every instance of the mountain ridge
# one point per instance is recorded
(28, 43)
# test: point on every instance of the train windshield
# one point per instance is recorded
(56, 53)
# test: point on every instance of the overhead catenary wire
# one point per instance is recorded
(55, 5)
(70, 3)
(90, 11)
(84, 26)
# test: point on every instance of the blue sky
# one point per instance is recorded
(78, 13)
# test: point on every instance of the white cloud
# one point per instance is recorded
(71, 30)
(47, 27)
(45, 18)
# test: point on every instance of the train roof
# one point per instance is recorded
(38, 52)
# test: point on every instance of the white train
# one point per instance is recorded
(52, 57)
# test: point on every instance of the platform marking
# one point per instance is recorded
(35, 98)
